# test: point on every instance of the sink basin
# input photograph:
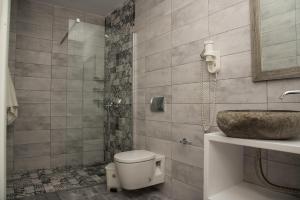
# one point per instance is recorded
(260, 124)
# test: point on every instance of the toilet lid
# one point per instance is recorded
(134, 156)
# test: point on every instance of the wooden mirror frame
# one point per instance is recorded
(257, 73)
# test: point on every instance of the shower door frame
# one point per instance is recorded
(4, 40)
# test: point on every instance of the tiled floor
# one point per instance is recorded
(99, 192)
(29, 183)
(70, 184)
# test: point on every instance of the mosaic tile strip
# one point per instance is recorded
(118, 79)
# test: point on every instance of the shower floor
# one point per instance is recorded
(35, 182)
(88, 183)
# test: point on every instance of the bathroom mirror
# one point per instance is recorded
(275, 39)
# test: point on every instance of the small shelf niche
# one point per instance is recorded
(224, 170)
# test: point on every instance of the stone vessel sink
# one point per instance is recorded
(260, 124)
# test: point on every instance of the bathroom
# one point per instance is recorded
(91, 87)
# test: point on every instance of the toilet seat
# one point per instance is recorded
(134, 156)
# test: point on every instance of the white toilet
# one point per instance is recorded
(139, 168)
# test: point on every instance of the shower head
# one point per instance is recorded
(77, 21)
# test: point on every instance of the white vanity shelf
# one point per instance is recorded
(224, 170)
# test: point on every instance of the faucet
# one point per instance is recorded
(289, 92)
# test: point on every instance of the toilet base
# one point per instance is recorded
(112, 180)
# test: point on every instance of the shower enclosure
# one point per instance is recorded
(73, 79)
(84, 141)
(99, 93)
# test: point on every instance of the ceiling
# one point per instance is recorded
(99, 7)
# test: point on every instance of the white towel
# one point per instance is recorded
(11, 100)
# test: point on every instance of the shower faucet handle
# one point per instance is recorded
(185, 141)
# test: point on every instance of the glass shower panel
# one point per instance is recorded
(85, 92)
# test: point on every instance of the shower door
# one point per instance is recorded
(84, 141)
(99, 91)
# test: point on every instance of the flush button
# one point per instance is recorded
(157, 104)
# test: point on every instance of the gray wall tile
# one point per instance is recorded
(187, 53)
(191, 32)
(186, 113)
(176, 4)
(74, 122)
(34, 44)
(161, 130)
(219, 5)
(59, 59)
(58, 135)
(58, 97)
(193, 73)
(235, 41)
(229, 28)
(241, 90)
(28, 83)
(32, 150)
(74, 146)
(187, 174)
(36, 18)
(32, 163)
(191, 155)
(74, 159)
(236, 66)
(159, 146)
(158, 78)
(184, 191)
(190, 93)
(27, 110)
(58, 148)
(29, 96)
(34, 57)
(92, 157)
(58, 122)
(158, 61)
(92, 121)
(158, 44)
(58, 109)
(93, 145)
(159, 9)
(32, 70)
(29, 137)
(233, 17)
(190, 13)
(36, 6)
(32, 123)
(59, 72)
(58, 85)
(32, 30)
(92, 133)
